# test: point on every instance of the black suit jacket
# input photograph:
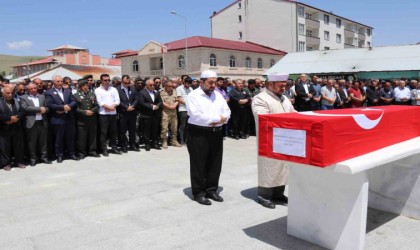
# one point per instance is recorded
(124, 101)
(6, 114)
(146, 103)
(56, 106)
(301, 94)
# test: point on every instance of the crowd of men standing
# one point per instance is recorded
(43, 121)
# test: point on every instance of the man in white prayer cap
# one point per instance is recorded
(272, 174)
(207, 111)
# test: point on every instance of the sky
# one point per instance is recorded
(106, 26)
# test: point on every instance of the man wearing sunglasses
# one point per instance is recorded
(108, 100)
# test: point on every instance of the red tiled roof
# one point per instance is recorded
(114, 62)
(128, 53)
(208, 42)
(48, 59)
(123, 52)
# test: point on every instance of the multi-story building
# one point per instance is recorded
(288, 25)
(66, 54)
(232, 59)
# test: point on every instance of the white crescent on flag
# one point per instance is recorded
(362, 120)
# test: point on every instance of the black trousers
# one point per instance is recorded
(127, 122)
(305, 106)
(149, 128)
(37, 137)
(182, 126)
(64, 134)
(205, 148)
(240, 121)
(11, 144)
(271, 193)
(86, 135)
(108, 125)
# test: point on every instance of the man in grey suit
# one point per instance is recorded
(36, 123)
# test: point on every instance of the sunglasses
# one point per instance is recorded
(108, 80)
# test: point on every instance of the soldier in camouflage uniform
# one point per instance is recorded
(87, 112)
(169, 117)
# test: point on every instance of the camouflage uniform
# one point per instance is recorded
(169, 117)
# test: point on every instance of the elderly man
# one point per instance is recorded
(150, 104)
(305, 92)
(36, 124)
(208, 111)
(240, 100)
(11, 134)
(272, 175)
(402, 94)
(62, 104)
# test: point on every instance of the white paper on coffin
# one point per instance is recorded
(289, 142)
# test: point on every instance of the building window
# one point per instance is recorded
(181, 61)
(260, 63)
(368, 32)
(301, 47)
(309, 49)
(338, 38)
(309, 33)
(240, 34)
(248, 62)
(355, 42)
(213, 62)
(161, 62)
(326, 19)
(368, 44)
(239, 5)
(232, 62)
(240, 18)
(301, 11)
(272, 62)
(308, 16)
(338, 23)
(135, 66)
(327, 35)
(301, 29)
(326, 48)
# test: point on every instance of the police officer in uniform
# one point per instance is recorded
(87, 111)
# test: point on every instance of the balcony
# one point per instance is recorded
(361, 36)
(349, 33)
(348, 45)
(310, 22)
(157, 72)
(313, 40)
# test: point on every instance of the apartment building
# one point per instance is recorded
(288, 25)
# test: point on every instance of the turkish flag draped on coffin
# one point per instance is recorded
(323, 138)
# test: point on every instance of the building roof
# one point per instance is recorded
(67, 47)
(295, 2)
(48, 59)
(114, 62)
(376, 59)
(75, 72)
(125, 53)
(208, 42)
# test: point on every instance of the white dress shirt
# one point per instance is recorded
(109, 97)
(400, 93)
(60, 93)
(35, 100)
(204, 110)
(152, 95)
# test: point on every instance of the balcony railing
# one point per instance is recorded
(157, 72)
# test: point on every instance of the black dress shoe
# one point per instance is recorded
(214, 196)
(59, 159)
(203, 200)
(32, 162)
(105, 153)
(116, 151)
(266, 203)
(124, 150)
(282, 200)
(243, 137)
(134, 148)
(147, 147)
(156, 146)
(236, 137)
(46, 161)
(94, 154)
(75, 158)
(82, 156)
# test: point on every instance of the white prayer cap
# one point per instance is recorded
(208, 74)
(277, 77)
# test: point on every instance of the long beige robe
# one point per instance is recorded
(271, 172)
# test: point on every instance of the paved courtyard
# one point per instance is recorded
(143, 201)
